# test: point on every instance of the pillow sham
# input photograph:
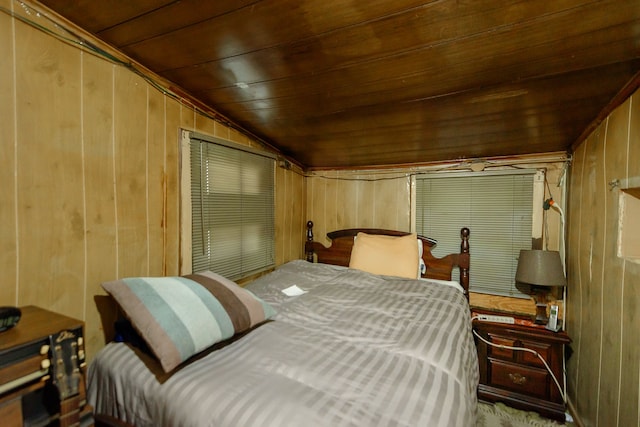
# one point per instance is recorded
(386, 255)
(179, 317)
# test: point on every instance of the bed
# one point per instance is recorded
(343, 347)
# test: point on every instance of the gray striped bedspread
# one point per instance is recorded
(354, 350)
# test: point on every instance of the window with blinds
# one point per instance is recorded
(232, 197)
(498, 209)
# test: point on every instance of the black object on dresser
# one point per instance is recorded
(519, 378)
(42, 371)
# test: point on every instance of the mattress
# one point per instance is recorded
(352, 349)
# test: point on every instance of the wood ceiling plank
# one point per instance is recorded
(295, 96)
(317, 155)
(443, 64)
(533, 95)
(168, 19)
(399, 56)
(95, 16)
(479, 127)
(264, 24)
(290, 98)
(414, 138)
(523, 123)
(332, 82)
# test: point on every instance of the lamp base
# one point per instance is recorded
(541, 307)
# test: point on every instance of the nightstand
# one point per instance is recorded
(519, 378)
(42, 371)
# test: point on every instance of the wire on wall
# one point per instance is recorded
(460, 166)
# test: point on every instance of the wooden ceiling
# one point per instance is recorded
(353, 83)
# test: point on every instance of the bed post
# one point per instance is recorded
(463, 260)
(308, 247)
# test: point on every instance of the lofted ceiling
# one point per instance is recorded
(354, 83)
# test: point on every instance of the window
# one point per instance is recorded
(232, 208)
(498, 209)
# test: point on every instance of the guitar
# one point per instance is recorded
(67, 368)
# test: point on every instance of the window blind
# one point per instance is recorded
(232, 196)
(498, 209)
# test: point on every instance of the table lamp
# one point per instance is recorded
(540, 270)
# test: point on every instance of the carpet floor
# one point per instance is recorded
(500, 415)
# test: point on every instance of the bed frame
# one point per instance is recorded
(339, 253)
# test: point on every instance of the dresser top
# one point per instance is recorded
(35, 323)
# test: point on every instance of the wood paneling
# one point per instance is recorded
(614, 163)
(113, 15)
(348, 199)
(630, 295)
(91, 176)
(171, 202)
(629, 346)
(205, 126)
(290, 218)
(153, 18)
(90, 173)
(416, 42)
(590, 264)
(263, 27)
(337, 84)
(98, 142)
(50, 205)
(156, 181)
(603, 300)
(8, 239)
(382, 199)
(130, 156)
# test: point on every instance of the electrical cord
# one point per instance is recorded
(546, 365)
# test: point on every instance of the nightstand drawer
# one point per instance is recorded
(544, 349)
(531, 381)
(502, 353)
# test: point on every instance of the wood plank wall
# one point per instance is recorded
(382, 199)
(604, 294)
(350, 199)
(89, 174)
(89, 192)
(290, 215)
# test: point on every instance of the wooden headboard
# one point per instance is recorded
(339, 253)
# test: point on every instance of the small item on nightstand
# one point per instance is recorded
(553, 325)
(9, 317)
(496, 318)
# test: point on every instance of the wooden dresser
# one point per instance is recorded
(519, 378)
(42, 371)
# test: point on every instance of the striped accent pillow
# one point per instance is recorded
(180, 316)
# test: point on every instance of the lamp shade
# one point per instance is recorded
(540, 268)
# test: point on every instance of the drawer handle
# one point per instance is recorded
(518, 379)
